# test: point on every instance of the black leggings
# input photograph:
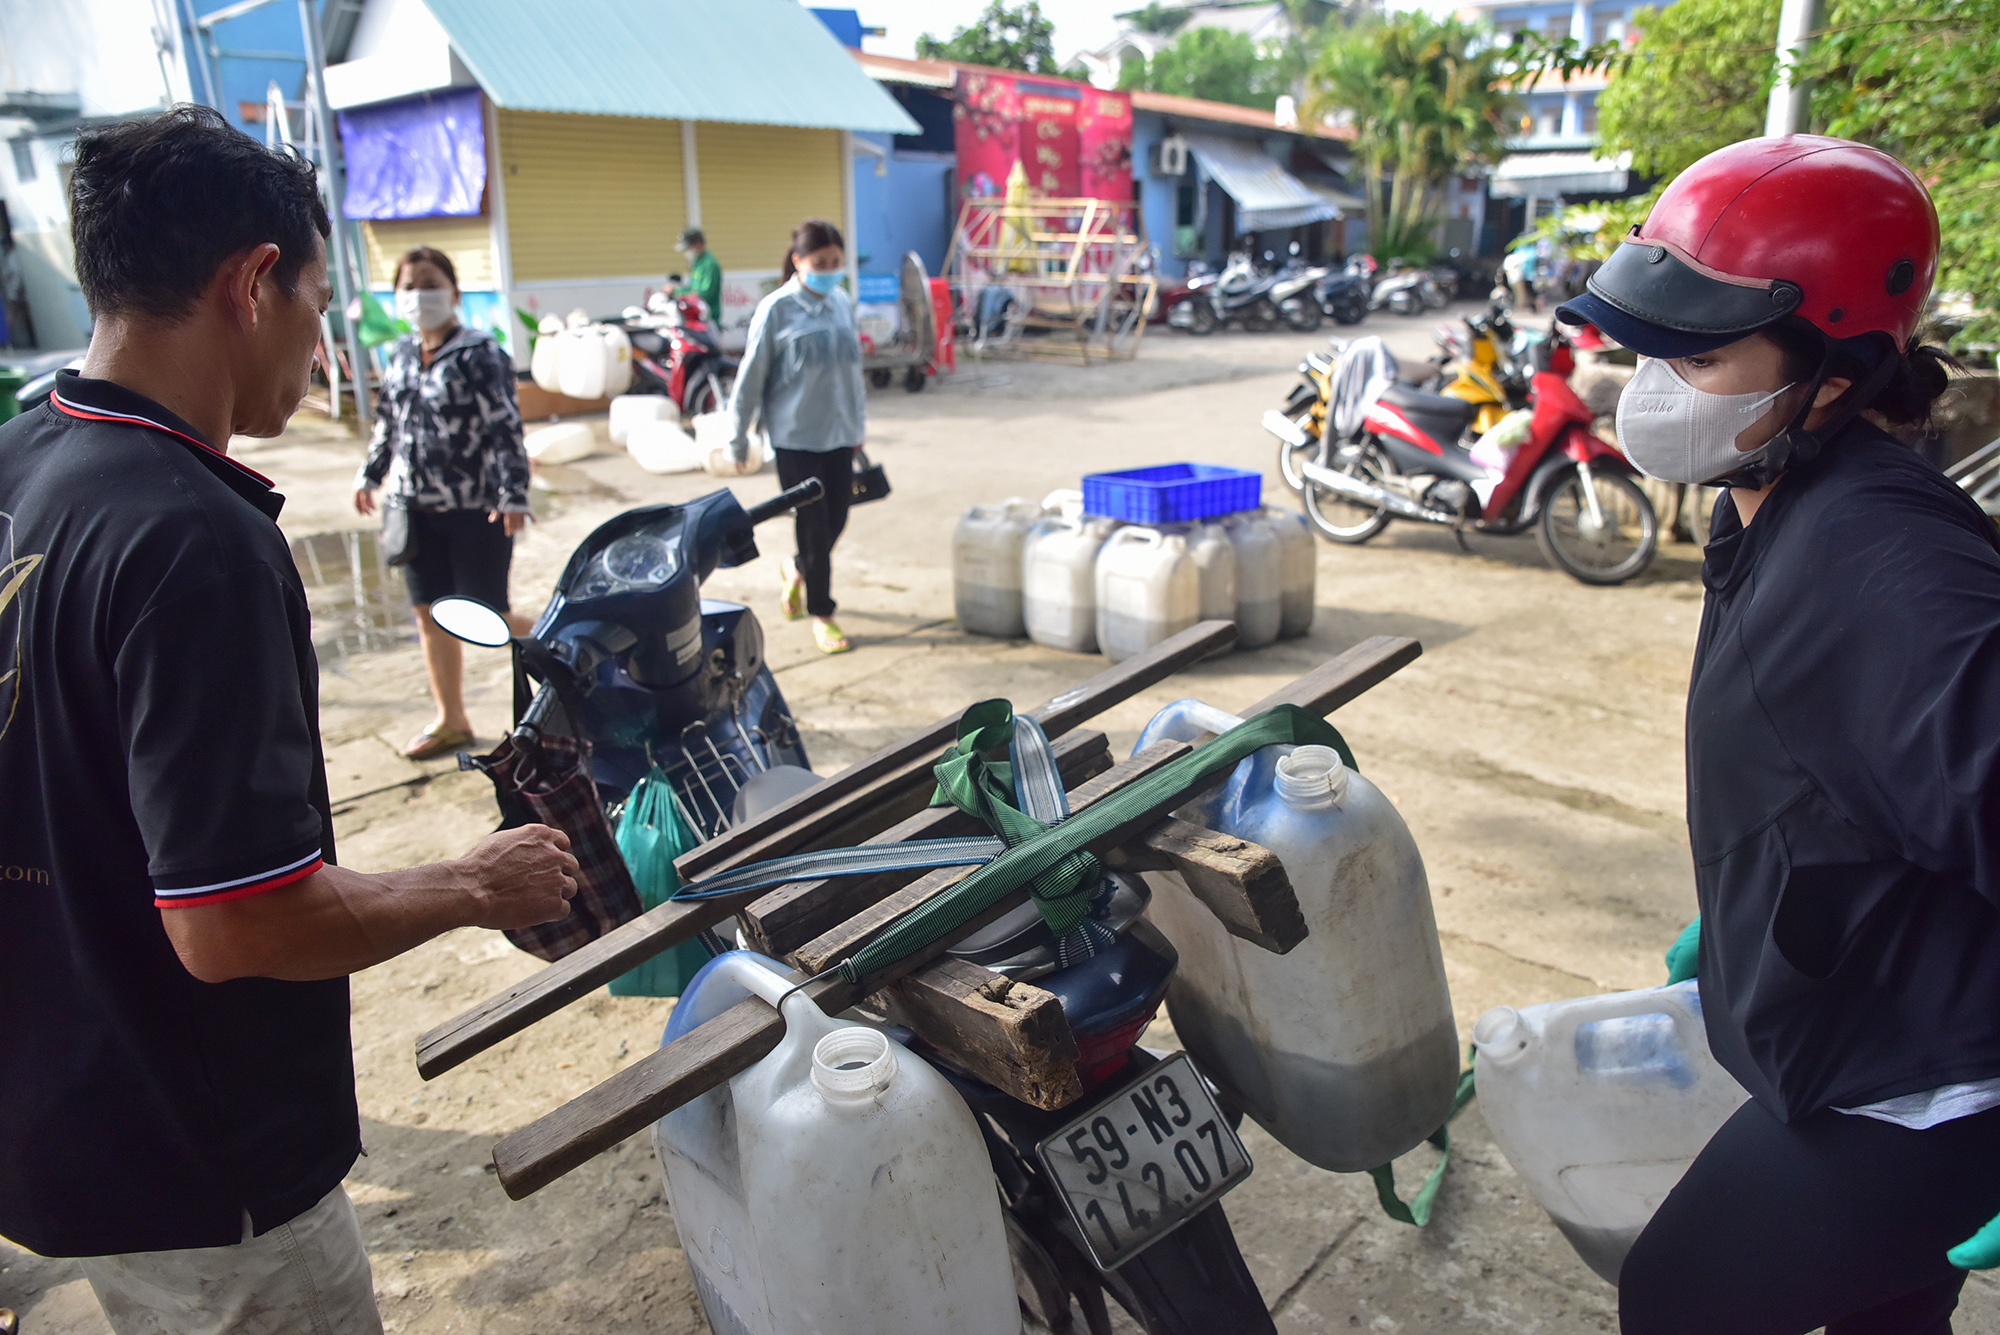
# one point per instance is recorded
(1837, 1221)
(818, 526)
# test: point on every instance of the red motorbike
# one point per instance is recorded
(1410, 458)
(676, 352)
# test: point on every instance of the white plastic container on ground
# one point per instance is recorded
(986, 567)
(1298, 570)
(1259, 588)
(662, 447)
(1059, 579)
(563, 443)
(839, 1186)
(1600, 1104)
(1215, 569)
(581, 375)
(545, 365)
(617, 359)
(1147, 590)
(1343, 1048)
(628, 410)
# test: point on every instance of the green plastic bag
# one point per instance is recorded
(651, 835)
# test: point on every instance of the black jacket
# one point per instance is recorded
(1843, 739)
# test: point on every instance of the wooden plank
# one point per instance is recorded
(663, 1080)
(788, 917)
(581, 972)
(1242, 883)
(1014, 1036)
(836, 811)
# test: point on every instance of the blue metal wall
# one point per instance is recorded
(250, 51)
(903, 209)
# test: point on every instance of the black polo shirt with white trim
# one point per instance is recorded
(159, 749)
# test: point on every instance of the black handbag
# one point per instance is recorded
(871, 483)
(399, 538)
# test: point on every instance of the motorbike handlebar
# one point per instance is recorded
(806, 493)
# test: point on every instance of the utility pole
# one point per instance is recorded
(1791, 97)
(338, 242)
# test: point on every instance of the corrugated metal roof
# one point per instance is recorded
(757, 62)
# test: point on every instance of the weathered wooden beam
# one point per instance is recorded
(1014, 1036)
(663, 1080)
(791, 915)
(881, 789)
(1242, 884)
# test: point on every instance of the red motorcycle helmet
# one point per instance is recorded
(1798, 228)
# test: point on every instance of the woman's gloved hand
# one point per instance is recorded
(1683, 953)
(1981, 1251)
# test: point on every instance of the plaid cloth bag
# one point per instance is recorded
(549, 784)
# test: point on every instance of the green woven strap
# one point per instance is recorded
(1418, 1211)
(1049, 849)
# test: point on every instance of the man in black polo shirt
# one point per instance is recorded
(176, 1082)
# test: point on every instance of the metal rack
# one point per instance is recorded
(1050, 278)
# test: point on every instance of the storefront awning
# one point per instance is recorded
(1547, 175)
(1267, 196)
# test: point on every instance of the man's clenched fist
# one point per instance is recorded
(521, 877)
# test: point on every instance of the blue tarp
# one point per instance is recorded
(423, 157)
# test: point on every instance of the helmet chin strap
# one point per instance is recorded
(1795, 444)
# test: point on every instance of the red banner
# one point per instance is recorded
(1072, 141)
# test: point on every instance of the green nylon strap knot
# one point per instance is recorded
(1050, 848)
(976, 777)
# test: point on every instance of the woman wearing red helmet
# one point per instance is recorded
(1843, 747)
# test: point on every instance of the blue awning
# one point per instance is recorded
(758, 62)
(1267, 196)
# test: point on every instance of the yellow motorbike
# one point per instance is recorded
(1483, 369)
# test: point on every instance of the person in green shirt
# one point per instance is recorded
(704, 274)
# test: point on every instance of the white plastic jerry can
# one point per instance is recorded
(1147, 590)
(617, 359)
(986, 566)
(583, 362)
(545, 366)
(1059, 580)
(1342, 1048)
(1298, 567)
(1600, 1104)
(630, 410)
(1215, 570)
(837, 1187)
(1258, 584)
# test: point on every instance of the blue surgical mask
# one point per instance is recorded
(821, 283)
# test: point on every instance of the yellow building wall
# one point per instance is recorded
(760, 181)
(591, 196)
(468, 241)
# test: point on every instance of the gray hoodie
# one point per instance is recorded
(801, 374)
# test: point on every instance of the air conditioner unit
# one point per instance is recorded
(1170, 157)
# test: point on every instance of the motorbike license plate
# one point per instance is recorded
(1144, 1161)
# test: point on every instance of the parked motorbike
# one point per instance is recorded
(676, 351)
(1238, 294)
(1406, 292)
(1410, 459)
(1486, 365)
(629, 656)
(1343, 295)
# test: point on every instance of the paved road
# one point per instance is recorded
(1535, 750)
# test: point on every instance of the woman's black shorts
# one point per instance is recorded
(458, 552)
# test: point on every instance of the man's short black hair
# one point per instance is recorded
(157, 205)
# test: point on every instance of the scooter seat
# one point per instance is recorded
(1442, 416)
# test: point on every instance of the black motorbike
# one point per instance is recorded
(629, 656)
(1343, 295)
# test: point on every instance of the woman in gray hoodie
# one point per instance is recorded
(801, 377)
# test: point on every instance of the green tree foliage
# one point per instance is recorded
(1426, 97)
(1156, 18)
(1699, 78)
(1211, 63)
(1003, 36)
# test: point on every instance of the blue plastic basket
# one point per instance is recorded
(1172, 493)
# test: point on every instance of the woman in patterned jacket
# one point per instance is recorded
(447, 449)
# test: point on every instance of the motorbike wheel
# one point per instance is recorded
(1261, 317)
(1621, 549)
(1699, 506)
(1406, 302)
(1301, 314)
(880, 378)
(1201, 319)
(708, 394)
(1350, 308)
(1291, 456)
(1337, 518)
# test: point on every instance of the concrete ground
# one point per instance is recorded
(1535, 750)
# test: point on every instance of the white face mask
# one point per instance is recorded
(1674, 432)
(425, 307)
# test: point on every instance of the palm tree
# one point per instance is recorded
(1425, 97)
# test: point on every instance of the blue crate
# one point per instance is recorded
(1172, 493)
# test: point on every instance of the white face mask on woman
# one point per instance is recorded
(1674, 432)
(425, 307)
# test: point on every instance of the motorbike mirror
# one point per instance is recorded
(470, 620)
